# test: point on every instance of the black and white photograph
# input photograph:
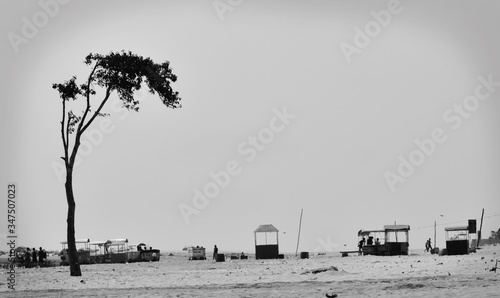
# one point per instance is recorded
(249, 148)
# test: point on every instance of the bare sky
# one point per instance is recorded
(361, 113)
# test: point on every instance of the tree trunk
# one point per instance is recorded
(72, 253)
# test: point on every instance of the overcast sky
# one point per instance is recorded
(363, 113)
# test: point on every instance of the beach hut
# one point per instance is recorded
(266, 242)
(457, 240)
(397, 239)
(116, 251)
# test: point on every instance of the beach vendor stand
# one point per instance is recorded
(97, 252)
(83, 251)
(397, 240)
(374, 242)
(141, 253)
(196, 253)
(116, 251)
(266, 242)
(457, 240)
(393, 240)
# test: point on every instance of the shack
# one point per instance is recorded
(457, 240)
(397, 239)
(393, 240)
(266, 242)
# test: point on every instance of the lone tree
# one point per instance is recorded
(124, 73)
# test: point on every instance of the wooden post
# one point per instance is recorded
(434, 234)
(298, 237)
(479, 232)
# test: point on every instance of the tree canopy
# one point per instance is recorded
(123, 72)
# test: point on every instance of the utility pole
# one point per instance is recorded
(479, 232)
(298, 237)
(434, 234)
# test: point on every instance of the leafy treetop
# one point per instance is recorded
(124, 72)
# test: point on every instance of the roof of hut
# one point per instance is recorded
(266, 229)
(396, 227)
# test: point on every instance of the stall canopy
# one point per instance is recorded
(266, 229)
(461, 228)
(396, 227)
(86, 240)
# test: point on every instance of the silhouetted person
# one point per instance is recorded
(27, 258)
(34, 256)
(361, 243)
(428, 245)
(216, 251)
(42, 255)
(370, 241)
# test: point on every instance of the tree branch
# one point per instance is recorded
(96, 113)
(63, 135)
(89, 80)
(67, 135)
(81, 129)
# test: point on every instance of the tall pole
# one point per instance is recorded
(480, 228)
(434, 234)
(298, 237)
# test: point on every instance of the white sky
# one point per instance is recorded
(352, 121)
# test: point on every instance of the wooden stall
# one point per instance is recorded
(266, 242)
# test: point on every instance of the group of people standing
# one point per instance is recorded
(364, 242)
(34, 258)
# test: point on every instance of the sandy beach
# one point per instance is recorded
(416, 275)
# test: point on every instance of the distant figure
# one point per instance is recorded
(34, 256)
(361, 243)
(377, 242)
(106, 247)
(216, 251)
(27, 258)
(370, 240)
(428, 245)
(242, 255)
(41, 256)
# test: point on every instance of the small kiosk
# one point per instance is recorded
(196, 253)
(266, 242)
(397, 239)
(111, 251)
(393, 240)
(374, 242)
(141, 253)
(457, 240)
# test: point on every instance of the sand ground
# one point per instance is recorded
(416, 275)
